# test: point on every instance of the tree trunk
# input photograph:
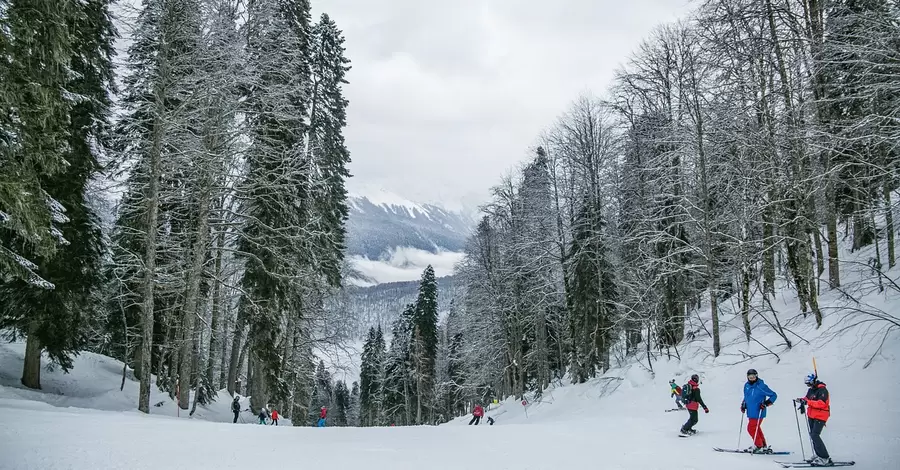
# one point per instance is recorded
(31, 369)
(215, 337)
(768, 252)
(889, 224)
(237, 353)
(745, 298)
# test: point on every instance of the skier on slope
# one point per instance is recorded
(676, 392)
(694, 402)
(477, 413)
(236, 407)
(263, 414)
(275, 417)
(757, 397)
(322, 414)
(818, 403)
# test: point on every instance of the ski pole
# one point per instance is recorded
(741, 430)
(799, 434)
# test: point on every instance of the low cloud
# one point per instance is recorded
(406, 264)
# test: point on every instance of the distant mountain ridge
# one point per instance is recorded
(380, 221)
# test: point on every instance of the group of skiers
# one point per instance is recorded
(265, 415)
(758, 397)
(477, 414)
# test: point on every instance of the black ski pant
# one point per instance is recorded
(475, 420)
(275, 421)
(236, 413)
(815, 434)
(691, 421)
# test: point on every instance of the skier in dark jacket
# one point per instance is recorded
(818, 409)
(757, 397)
(236, 408)
(694, 402)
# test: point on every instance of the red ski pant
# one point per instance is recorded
(754, 427)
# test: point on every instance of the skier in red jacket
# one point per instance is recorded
(694, 402)
(321, 422)
(275, 417)
(818, 409)
(477, 413)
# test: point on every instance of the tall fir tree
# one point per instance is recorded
(325, 143)
(54, 319)
(37, 46)
(424, 344)
(277, 187)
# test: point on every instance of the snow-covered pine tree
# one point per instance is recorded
(371, 378)
(37, 46)
(276, 191)
(325, 142)
(424, 345)
(55, 319)
(353, 410)
(340, 411)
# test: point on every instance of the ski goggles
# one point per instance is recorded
(751, 375)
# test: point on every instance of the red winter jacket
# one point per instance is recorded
(479, 411)
(274, 414)
(696, 401)
(322, 414)
(818, 402)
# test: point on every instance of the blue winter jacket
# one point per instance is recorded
(755, 394)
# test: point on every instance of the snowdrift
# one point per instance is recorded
(93, 383)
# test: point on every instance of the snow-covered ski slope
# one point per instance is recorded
(617, 421)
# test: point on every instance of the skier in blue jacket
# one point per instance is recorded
(757, 397)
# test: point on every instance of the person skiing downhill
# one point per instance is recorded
(818, 409)
(477, 413)
(263, 414)
(236, 408)
(676, 392)
(757, 397)
(322, 414)
(694, 402)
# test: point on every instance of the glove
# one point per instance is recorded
(800, 400)
(765, 404)
(743, 407)
(705, 409)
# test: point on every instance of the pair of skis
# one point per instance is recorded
(809, 465)
(676, 409)
(785, 464)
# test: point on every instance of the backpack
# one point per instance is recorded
(687, 391)
(235, 406)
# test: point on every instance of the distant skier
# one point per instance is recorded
(263, 414)
(676, 392)
(275, 417)
(691, 395)
(818, 403)
(322, 415)
(490, 421)
(477, 413)
(757, 397)
(236, 408)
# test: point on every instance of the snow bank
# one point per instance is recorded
(93, 383)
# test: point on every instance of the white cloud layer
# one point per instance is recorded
(406, 264)
(447, 96)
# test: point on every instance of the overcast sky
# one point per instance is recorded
(447, 96)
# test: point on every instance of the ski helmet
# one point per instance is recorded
(810, 379)
(672, 381)
(752, 372)
(695, 378)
